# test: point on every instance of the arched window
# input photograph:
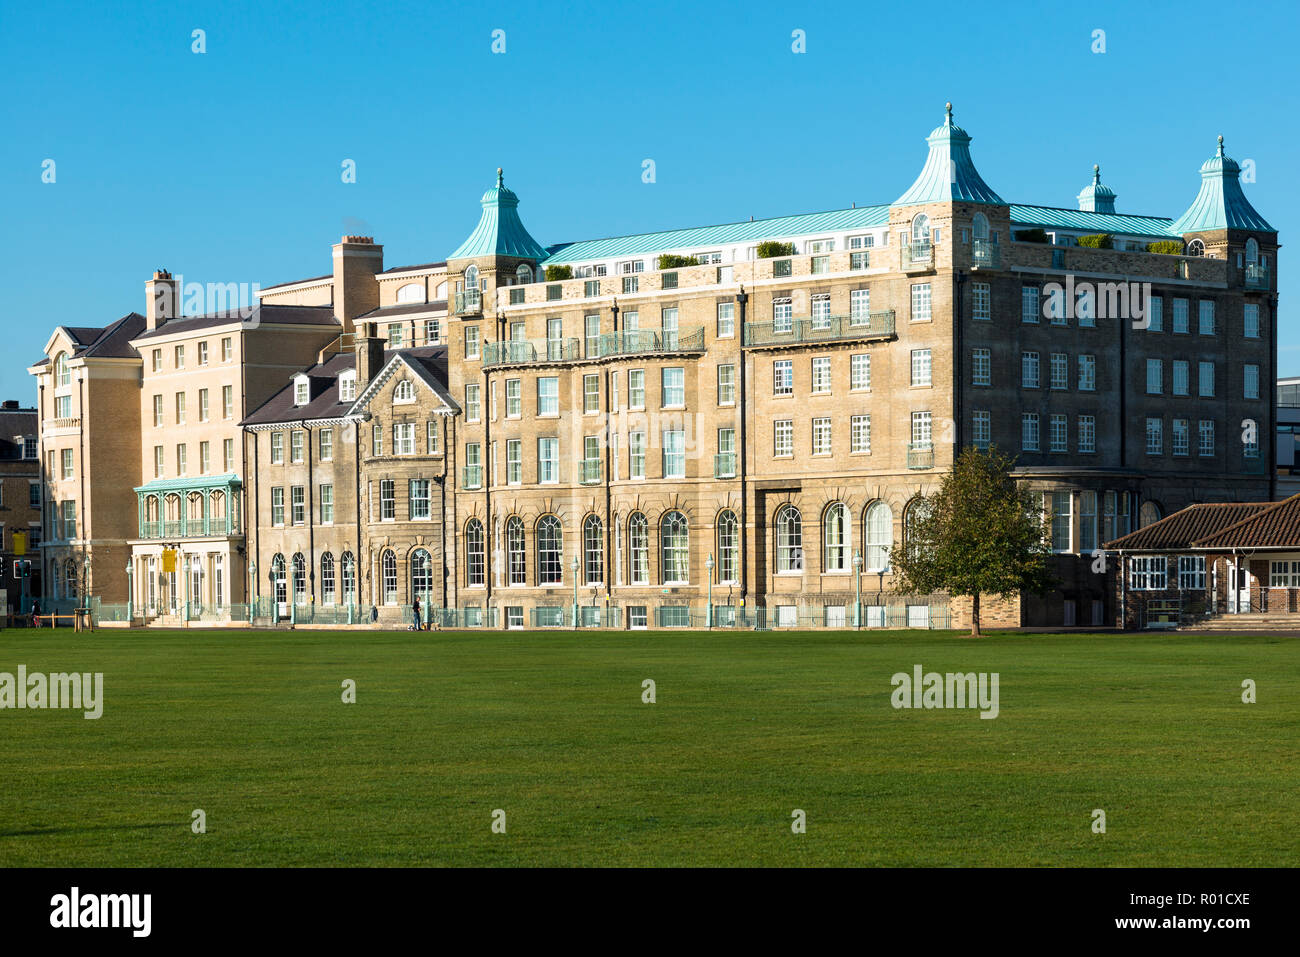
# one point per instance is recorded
(1196, 248)
(277, 567)
(593, 550)
(70, 579)
(789, 540)
(516, 554)
(441, 292)
(836, 538)
(299, 579)
(474, 564)
(879, 536)
(1252, 252)
(524, 274)
(327, 589)
(388, 570)
(1148, 514)
(421, 575)
(62, 374)
(349, 566)
(405, 391)
(278, 584)
(638, 539)
(550, 551)
(916, 510)
(921, 229)
(151, 508)
(980, 226)
(673, 547)
(728, 548)
(411, 292)
(471, 277)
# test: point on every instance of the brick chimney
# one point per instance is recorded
(370, 353)
(356, 291)
(162, 296)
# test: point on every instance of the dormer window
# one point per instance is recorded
(405, 391)
(1196, 248)
(348, 386)
(524, 274)
(29, 447)
(1252, 252)
(471, 277)
(301, 391)
(62, 374)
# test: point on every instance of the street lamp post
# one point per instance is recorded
(857, 589)
(130, 591)
(574, 565)
(252, 588)
(185, 583)
(708, 615)
(85, 582)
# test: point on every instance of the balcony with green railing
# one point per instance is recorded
(793, 332)
(1257, 276)
(640, 342)
(985, 254)
(724, 465)
(920, 455)
(524, 352)
(469, 302)
(590, 471)
(471, 476)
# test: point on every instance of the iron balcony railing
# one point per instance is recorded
(469, 302)
(1257, 276)
(920, 455)
(917, 255)
(984, 254)
(724, 465)
(189, 528)
(471, 476)
(876, 325)
(640, 342)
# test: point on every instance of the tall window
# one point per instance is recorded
(921, 302)
(389, 571)
(474, 555)
(349, 565)
(835, 538)
(673, 542)
(421, 575)
(550, 553)
(1029, 306)
(299, 579)
(879, 536)
(789, 540)
(638, 535)
(674, 387)
(516, 555)
(920, 367)
(327, 592)
(419, 499)
(62, 372)
(728, 548)
(1250, 314)
(593, 550)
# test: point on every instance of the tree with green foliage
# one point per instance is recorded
(981, 533)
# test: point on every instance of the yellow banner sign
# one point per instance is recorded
(168, 561)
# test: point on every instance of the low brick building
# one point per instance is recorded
(1209, 560)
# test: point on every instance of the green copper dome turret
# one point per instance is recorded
(500, 232)
(949, 173)
(1220, 204)
(1096, 198)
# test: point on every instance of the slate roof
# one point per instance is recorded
(405, 309)
(1213, 525)
(286, 315)
(428, 362)
(294, 282)
(16, 422)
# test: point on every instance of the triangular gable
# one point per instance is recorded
(417, 370)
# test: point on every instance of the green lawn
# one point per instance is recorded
(551, 728)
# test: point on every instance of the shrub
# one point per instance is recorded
(1097, 241)
(1166, 247)
(667, 261)
(555, 273)
(1032, 236)
(771, 249)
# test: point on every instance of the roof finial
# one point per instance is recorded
(1220, 144)
(1096, 173)
(948, 107)
(500, 178)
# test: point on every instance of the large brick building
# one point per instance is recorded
(747, 413)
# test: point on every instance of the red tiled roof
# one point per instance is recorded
(1277, 526)
(1186, 527)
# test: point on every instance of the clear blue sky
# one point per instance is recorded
(225, 166)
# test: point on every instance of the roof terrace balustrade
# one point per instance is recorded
(469, 303)
(1257, 276)
(985, 254)
(917, 255)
